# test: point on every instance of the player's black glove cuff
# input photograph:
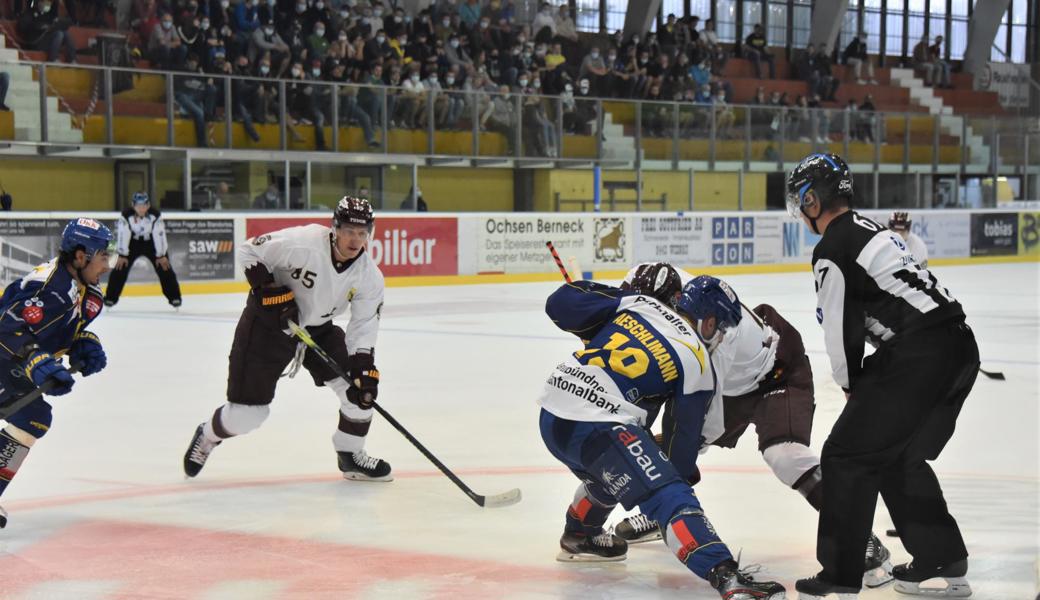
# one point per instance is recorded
(279, 304)
(364, 379)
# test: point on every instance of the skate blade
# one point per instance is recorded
(878, 577)
(353, 476)
(956, 587)
(568, 557)
(804, 596)
(646, 538)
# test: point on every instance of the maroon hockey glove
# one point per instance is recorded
(364, 379)
(280, 303)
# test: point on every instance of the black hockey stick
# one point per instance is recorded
(19, 403)
(999, 376)
(504, 499)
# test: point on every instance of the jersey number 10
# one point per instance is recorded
(630, 362)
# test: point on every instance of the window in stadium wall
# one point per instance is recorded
(802, 24)
(850, 25)
(1000, 50)
(588, 15)
(915, 23)
(702, 9)
(958, 29)
(726, 26)
(616, 10)
(937, 22)
(672, 7)
(872, 25)
(777, 33)
(752, 17)
(894, 29)
(1019, 21)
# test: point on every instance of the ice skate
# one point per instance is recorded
(877, 569)
(359, 466)
(909, 579)
(638, 529)
(816, 588)
(198, 452)
(734, 583)
(3, 517)
(578, 547)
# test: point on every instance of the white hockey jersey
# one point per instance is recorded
(746, 355)
(301, 258)
(149, 227)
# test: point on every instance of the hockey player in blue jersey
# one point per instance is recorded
(44, 316)
(640, 356)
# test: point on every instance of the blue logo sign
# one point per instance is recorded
(792, 239)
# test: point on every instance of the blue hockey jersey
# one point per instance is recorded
(47, 307)
(639, 355)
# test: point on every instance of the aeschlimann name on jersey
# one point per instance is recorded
(669, 371)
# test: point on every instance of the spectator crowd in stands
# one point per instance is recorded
(412, 69)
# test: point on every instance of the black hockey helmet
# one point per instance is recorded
(658, 280)
(352, 210)
(824, 174)
(899, 221)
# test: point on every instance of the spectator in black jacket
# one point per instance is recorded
(42, 29)
(827, 82)
(195, 97)
(756, 48)
(245, 96)
(855, 56)
(303, 103)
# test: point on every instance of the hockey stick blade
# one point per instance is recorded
(503, 499)
(499, 500)
(999, 376)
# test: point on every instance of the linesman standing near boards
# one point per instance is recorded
(141, 231)
(902, 400)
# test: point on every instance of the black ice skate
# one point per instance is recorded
(638, 529)
(734, 583)
(817, 588)
(359, 466)
(877, 570)
(578, 547)
(909, 578)
(3, 517)
(198, 452)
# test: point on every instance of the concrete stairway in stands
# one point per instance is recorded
(950, 123)
(23, 97)
(617, 145)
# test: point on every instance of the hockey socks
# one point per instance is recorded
(587, 514)
(12, 453)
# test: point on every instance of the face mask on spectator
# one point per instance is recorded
(297, 73)
(225, 4)
(264, 69)
(342, 37)
(316, 72)
(433, 79)
(46, 7)
(446, 22)
(537, 83)
(612, 57)
(204, 25)
(454, 43)
(449, 80)
(484, 24)
(271, 196)
(301, 8)
(167, 24)
(584, 88)
(516, 52)
(319, 31)
(319, 5)
(594, 54)
(523, 83)
(521, 39)
(268, 31)
(380, 39)
(721, 97)
(568, 88)
(378, 12)
(398, 18)
(402, 41)
(415, 77)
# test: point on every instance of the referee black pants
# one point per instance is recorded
(138, 248)
(902, 412)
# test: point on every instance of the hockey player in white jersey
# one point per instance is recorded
(766, 382)
(141, 231)
(307, 275)
(639, 356)
(900, 223)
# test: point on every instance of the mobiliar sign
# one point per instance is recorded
(401, 246)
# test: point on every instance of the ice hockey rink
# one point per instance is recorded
(101, 508)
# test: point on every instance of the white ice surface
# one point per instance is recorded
(101, 510)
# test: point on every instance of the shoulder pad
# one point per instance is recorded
(154, 211)
(128, 212)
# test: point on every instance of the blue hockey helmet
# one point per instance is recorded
(706, 296)
(88, 234)
(140, 198)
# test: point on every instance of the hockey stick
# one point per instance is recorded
(20, 403)
(999, 376)
(504, 499)
(559, 263)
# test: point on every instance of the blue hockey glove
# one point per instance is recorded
(86, 349)
(40, 366)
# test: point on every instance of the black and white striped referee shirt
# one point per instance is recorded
(870, 288)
